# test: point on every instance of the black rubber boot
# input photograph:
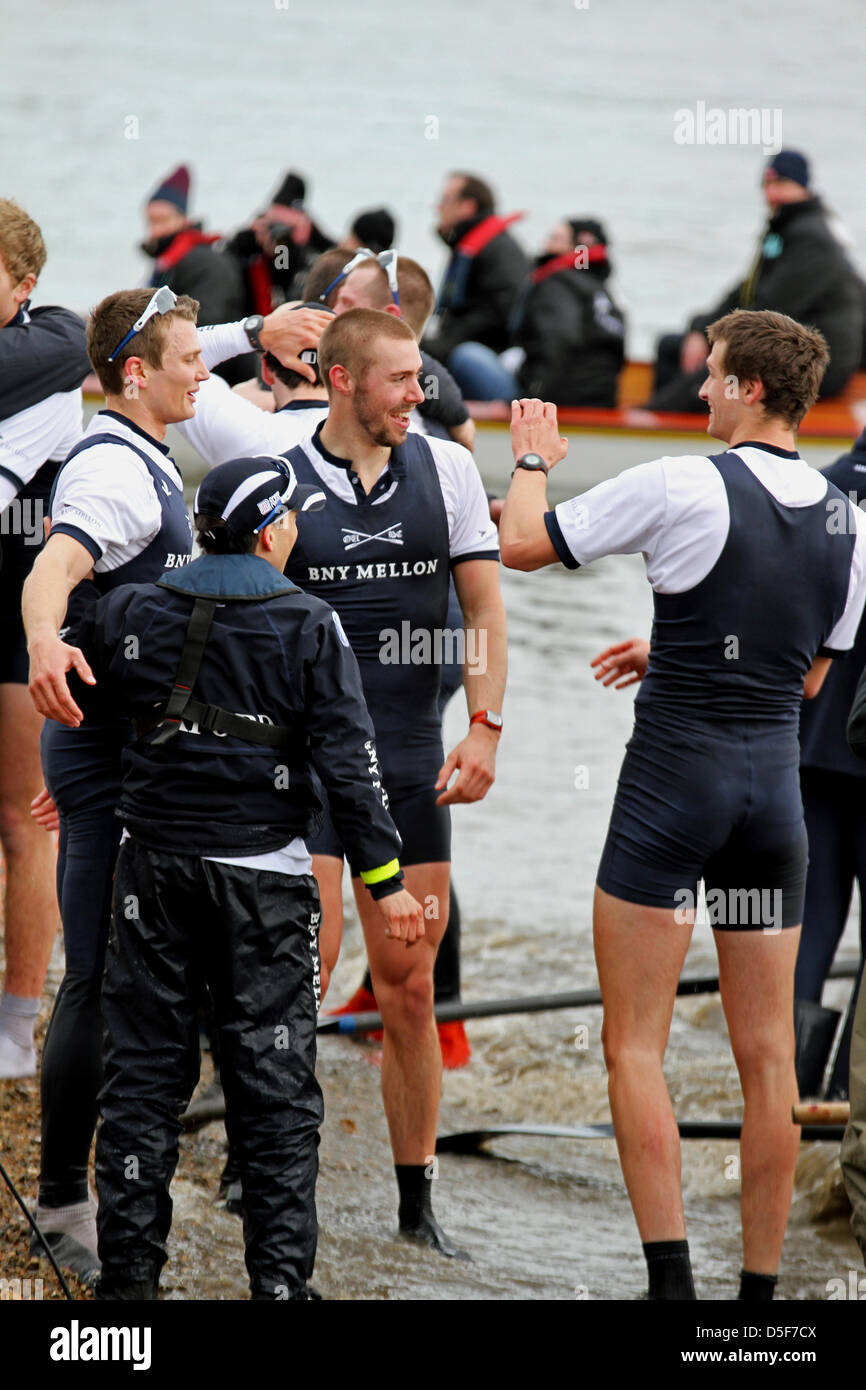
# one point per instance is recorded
(814, 1031)
(127, 1290)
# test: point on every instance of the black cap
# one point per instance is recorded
(790, 164)
(248, 494)
(587, 224)
(376, 229)
(291, 192)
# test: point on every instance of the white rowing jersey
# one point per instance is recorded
(105, 496)
(43, 433)
(675, 512)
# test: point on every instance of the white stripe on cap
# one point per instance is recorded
(249, 485)
(313, 501)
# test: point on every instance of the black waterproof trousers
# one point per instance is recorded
(252, 936)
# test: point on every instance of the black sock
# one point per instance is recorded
(415, 1195)
(757, 1288)
(670, 1269)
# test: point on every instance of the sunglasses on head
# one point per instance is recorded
(162, 302)
(386, 259)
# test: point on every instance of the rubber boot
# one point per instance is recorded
(814, 1031)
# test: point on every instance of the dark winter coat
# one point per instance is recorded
(801, 269)
(571, 331)
(478, 290)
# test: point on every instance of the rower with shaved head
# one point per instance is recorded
(403, 513)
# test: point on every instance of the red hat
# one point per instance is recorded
(174, 189)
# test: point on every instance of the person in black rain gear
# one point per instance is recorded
(570, 329)
(800, 268)
(240, 685)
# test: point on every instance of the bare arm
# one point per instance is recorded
(464, 434)
(62, 564)
(477, 584)
(523, 538)
(815, 676)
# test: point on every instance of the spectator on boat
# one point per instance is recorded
(477, 294)
(832, 782)
(572, 333)
(375, 229)
(277, 250)
(186, 258)
(800, 269)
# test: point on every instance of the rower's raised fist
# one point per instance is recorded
(535, 430)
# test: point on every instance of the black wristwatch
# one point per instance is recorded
(253, 327)
(533, 463)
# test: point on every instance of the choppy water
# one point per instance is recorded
(568, 106)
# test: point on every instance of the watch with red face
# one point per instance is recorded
(488, 717)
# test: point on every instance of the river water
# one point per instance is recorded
(569, 107)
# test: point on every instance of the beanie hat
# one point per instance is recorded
(174, 189)
(291, 192)
(790, 164)
(587, 224)
(376, 229)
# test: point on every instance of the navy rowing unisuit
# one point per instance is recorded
(382, 561)
(758, 567)
(119, 495)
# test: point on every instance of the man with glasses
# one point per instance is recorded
(118, 516)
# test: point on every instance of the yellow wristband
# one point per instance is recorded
(377, 875)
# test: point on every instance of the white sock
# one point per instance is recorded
(18, 1018)
(77, 1221)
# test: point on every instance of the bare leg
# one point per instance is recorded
(640, 953)
(756, 975)
(403, 984)
(31, 915)
(328, 871)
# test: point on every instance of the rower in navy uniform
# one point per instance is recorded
(403, 512)
(118, 516)
(757, 565)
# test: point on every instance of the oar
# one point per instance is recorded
(470, 1141)
(535, 1003)
(821, 1112)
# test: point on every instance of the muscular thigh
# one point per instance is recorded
(392, 962)
(20, 765)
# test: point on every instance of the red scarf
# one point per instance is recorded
(183, 243)
(484, 232)
(594, 254)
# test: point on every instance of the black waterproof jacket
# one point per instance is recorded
(477, 293)
(802, 270)
(573, 336)
(275, 656)
(41, 352)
